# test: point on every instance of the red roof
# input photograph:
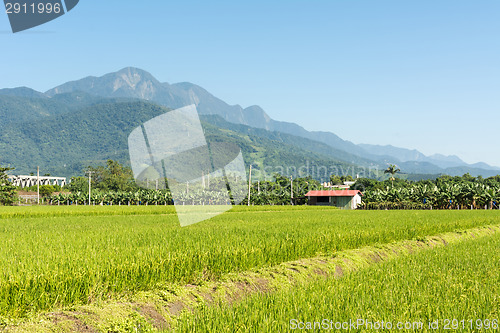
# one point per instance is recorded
(344, 193)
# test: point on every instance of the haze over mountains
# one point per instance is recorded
(20, 107)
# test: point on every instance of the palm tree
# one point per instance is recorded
(392, 169)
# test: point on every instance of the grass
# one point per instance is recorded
(61, 256)
(453, 288)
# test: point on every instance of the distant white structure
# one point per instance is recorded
(346, 185)
(28, 181)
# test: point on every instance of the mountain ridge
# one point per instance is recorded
(99, 132)
(134, 83)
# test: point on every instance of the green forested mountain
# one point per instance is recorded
(17, 108)
(66, 142)
(71, 125)
(68, 132)
(303, 143)
(22, 92)
(14, 109)
(136, 83)
(63, 144)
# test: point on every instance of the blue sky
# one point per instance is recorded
(415, 74)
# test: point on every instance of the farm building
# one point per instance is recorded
(344, 199)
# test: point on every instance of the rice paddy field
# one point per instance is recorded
(456, 288)
(57, 259)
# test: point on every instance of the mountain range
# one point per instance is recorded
(32, 120)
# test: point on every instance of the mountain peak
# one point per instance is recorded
(136, 81)
(128, 82)
(134, 75)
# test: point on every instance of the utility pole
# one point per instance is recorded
(249, 184)
(38, 185)
(291, 190)
(90, 180)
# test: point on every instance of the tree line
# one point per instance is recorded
(444, 192)
(114, 184)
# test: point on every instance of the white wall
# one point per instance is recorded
(355, 201)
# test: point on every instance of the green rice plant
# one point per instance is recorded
(82, 210)
(454, 288)
(61, 256)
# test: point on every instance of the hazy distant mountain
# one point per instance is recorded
(446, 161)
(403, 155)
